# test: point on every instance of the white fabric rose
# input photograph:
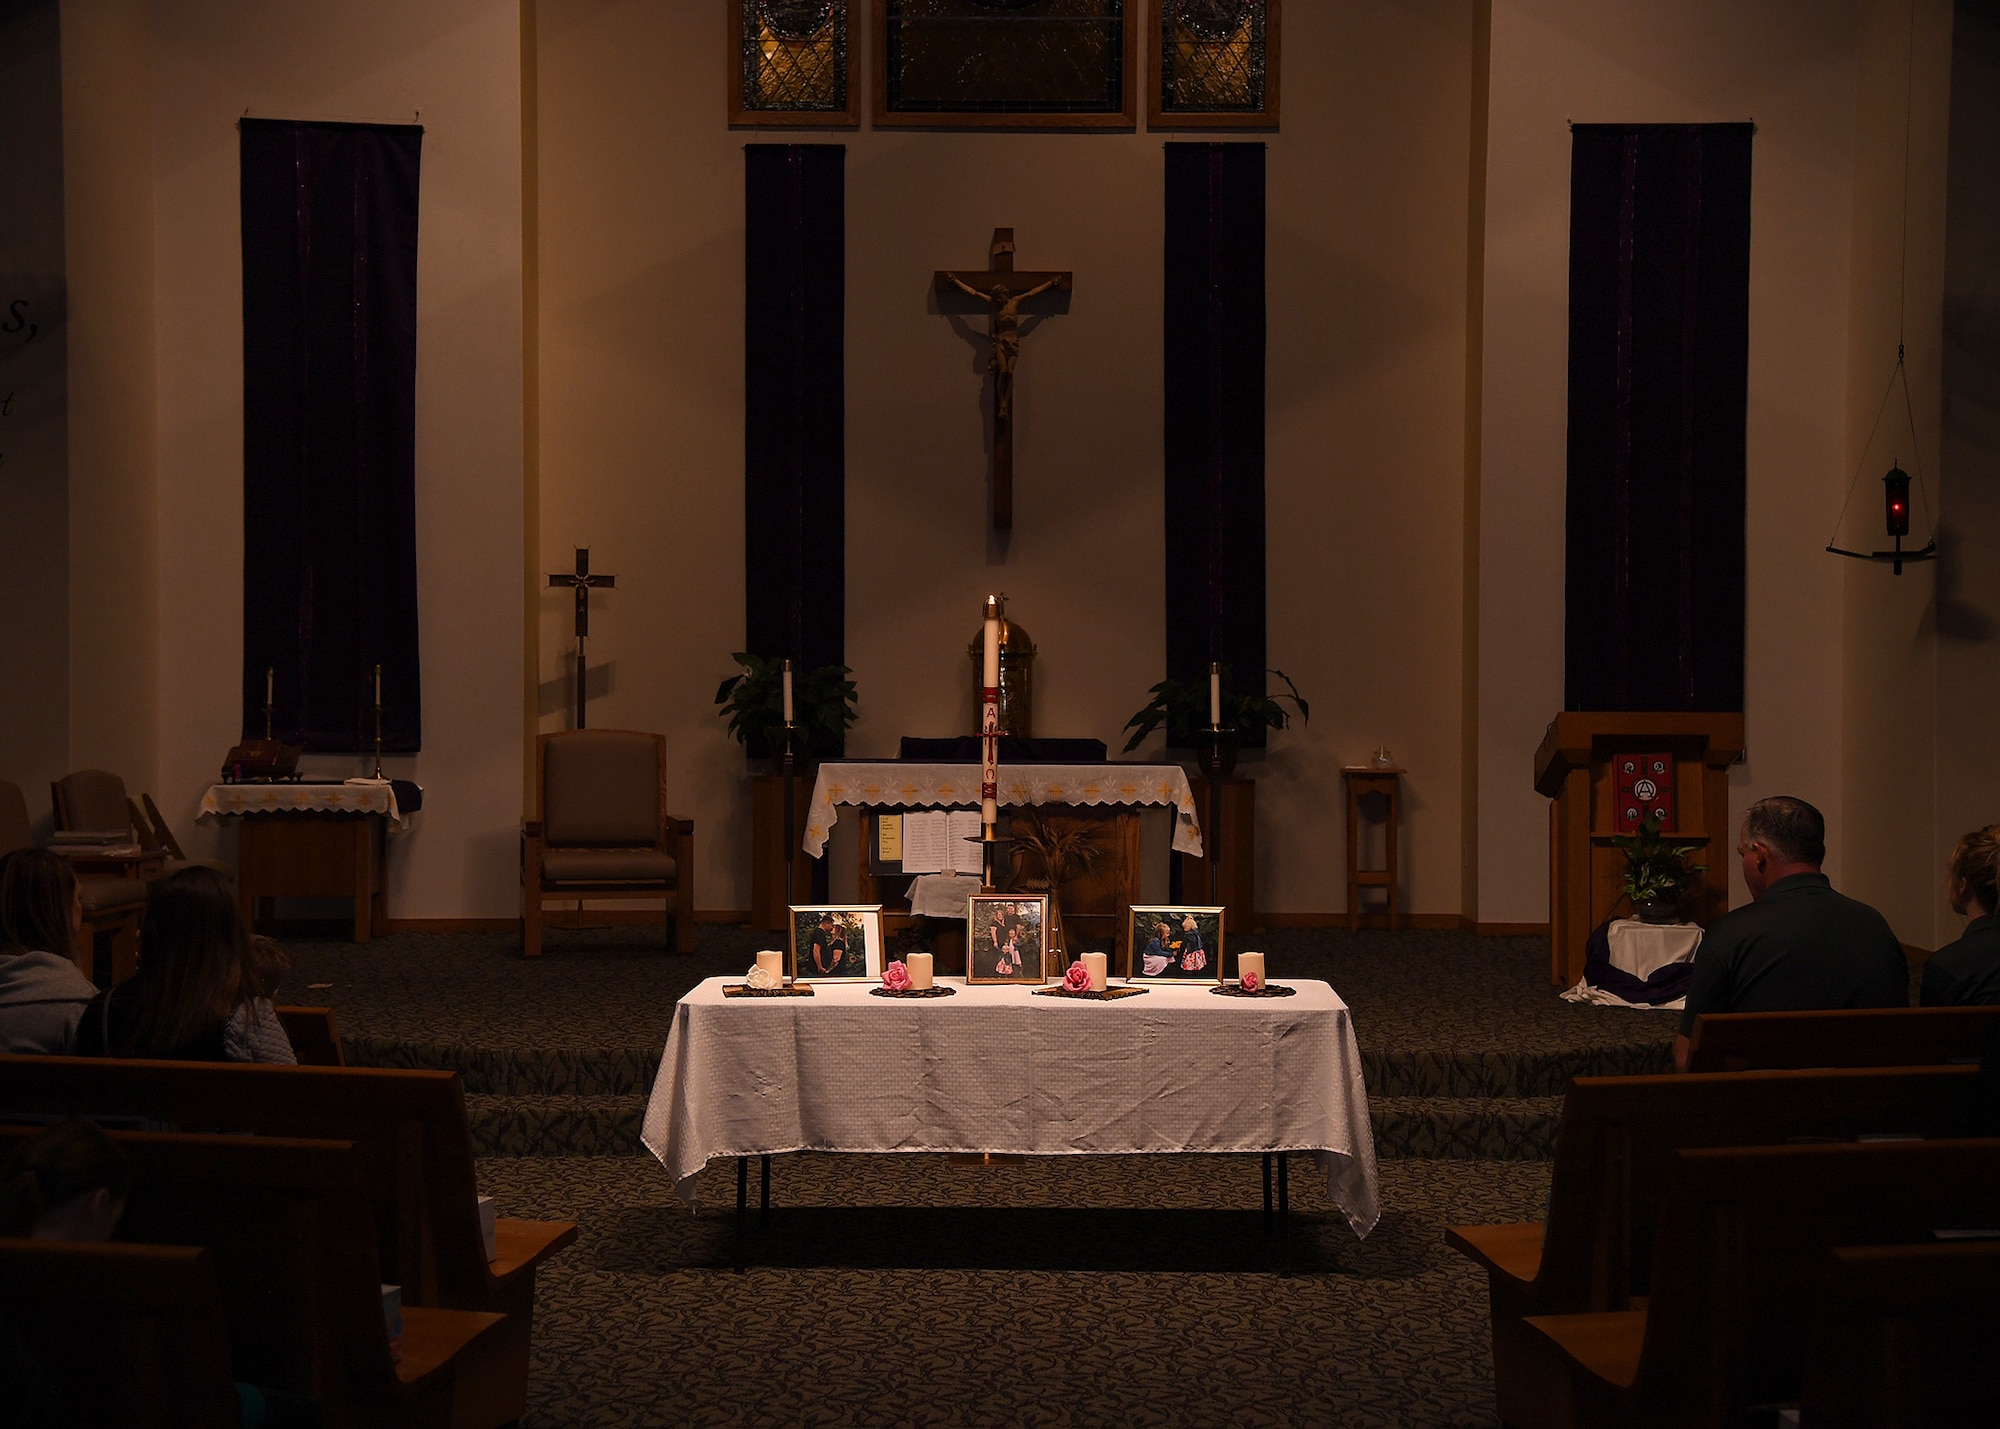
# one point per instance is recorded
(763, 979)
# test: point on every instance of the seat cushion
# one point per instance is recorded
(15, 829)
(607, 865)
(104, 893)
(601, 789)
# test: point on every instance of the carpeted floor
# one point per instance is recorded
(927, 1290)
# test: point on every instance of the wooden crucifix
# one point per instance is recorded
(583, 582)
(1002, 290)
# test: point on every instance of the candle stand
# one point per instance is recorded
(785, 767)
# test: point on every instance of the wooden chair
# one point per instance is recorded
(1744, 1240)
(416, 1151)
(286, 1224)
(95, 799)
(132, 1335)
(1615, 1146)
(1903, 1336)
(112, 905)
(601, 830)
(314, 1035)
(1862, 1037)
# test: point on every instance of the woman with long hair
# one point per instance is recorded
(203, 991)
(42, 994)
(1967, 972)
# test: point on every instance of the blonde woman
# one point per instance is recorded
(1967, 972)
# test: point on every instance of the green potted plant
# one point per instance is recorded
(1182, 706)
(754, 704)
(1657, 872)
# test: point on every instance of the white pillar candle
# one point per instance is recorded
(270, 684)
(1247, 963)
(788, 692)
(378, 687)
(1093, 963)
(989, 670)
(919, 965)
(1214, 694)
(772, 963)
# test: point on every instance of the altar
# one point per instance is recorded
(881, 786)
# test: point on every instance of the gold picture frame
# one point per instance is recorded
(1007, 938)
(1177, 943)
(783, 76)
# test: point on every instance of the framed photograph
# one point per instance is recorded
(1006, 64)
(791, 64)
(1005, 934)
(1213, 65)
(1176, 944)
(834, 942)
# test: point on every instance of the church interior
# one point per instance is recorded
(1495, 387)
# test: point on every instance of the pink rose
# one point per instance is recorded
(1077, 979)
(1251, 982)
(896, 977)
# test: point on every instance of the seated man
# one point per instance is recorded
(1798, 946)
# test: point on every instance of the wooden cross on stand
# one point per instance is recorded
(584, 582)
(1002, 290)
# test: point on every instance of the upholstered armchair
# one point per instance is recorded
(110, 904)
(601, 830)
(95, 800)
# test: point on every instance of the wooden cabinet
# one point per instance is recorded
(767, 852)
(1238, 866)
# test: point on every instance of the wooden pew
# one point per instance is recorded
(314, 1035)
(1745, 1237)
(1614, 1146)
(1904, 1335)
(416, 1150)
(1863, 1037)
(129, 1335)
(287, 1227)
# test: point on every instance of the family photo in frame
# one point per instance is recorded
(1176, 943)
(1005, 934)
(837, 942)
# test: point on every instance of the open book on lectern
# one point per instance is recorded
(934, 841)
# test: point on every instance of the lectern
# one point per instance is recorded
(1592, 800)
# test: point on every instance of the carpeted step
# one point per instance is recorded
(555, 1125)
(518, 1071)
(1465, 1128)
(1459, 1072)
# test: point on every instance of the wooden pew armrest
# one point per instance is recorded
(433, 1339)
(525, 1244)
(1605, 1344)
(1512, 1250)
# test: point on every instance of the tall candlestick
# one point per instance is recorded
(788, 692)
(989, 719)
(1214, 695)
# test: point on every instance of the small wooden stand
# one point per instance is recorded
(1363, 780)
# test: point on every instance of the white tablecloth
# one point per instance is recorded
(932, 786)
(223, 800)
(1642, 949)
(996, 1069)
(942, 895)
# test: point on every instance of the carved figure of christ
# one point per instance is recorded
(1002, 290)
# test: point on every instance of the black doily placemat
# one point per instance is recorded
(743, 989)
(1110, 994)
(934, 990)
(1269, 989)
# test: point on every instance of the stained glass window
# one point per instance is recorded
(792, 63)
(1006, 61)
(1215, 59)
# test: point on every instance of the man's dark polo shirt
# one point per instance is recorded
(1798, 948)
(1965, 973)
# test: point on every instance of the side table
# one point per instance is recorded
(1386, 782)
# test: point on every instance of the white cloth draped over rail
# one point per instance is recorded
(894, 784)
(997, 1069)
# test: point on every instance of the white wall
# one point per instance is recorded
(1789, 65)
(454, 65)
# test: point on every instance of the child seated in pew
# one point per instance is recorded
(42, 995)
(203, 991)
(1967, 973)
